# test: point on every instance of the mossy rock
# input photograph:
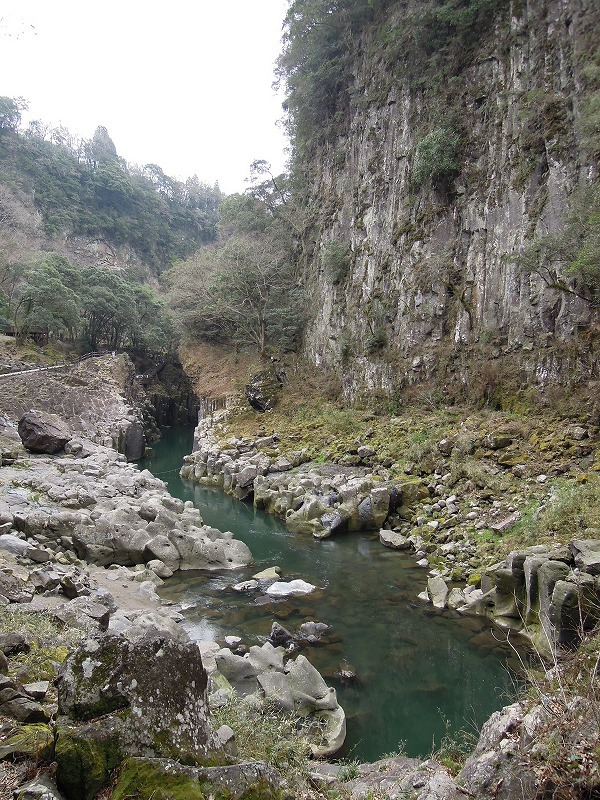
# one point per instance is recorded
(509, 460)
(262, 391)
(412, 491)
(155, 687)
(34, 741)
(85, 757)
(163, 779)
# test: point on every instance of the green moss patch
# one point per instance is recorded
(85, 758)
(35, 741)
(154, 779)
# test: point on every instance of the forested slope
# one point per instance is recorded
(84, 237)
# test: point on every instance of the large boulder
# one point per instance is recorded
(438, 591)
(586, 553)
(289, 588)
(156, 684)
(263, 390)
(132, 441)
(238, 671)
(15, 702)
(295, 686)
(396, 541)
(40, 788)
(198, 551)
(15, 589)
(41, 432)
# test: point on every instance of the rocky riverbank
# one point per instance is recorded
(549, 593)
(129, 709)
(85, 539)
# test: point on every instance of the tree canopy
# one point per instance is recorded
(85, 188)
(242, 293)
(95, 308)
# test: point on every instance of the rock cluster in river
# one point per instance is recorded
(90, 504)
(313, 499)
(554, 591)
(290, 684)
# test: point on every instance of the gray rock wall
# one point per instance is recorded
(431, 271)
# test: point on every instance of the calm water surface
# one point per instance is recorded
(419, 671)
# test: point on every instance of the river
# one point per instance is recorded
(420, 672)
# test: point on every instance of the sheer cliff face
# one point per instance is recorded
(431, 274)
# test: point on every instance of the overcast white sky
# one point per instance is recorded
(184, 84)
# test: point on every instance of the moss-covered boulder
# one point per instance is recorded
(86, 755)
(156, 684)
(159, 779)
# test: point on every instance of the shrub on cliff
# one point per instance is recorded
(569, 260)
(436, 159)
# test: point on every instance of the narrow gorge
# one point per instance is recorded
(373, 570)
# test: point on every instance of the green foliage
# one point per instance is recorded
(84, 188)
(377, 341)
(434, 39)
(49, 640)
(455, 748)
(315, 64)
(244, 292)
(589, 112)
(244, 213)
(419, 41)
(572, 513)
(349, 770)
(41, 297)
(436, 159)
(335, 260)
(119, 314)
(570, 260)
(10, 112)
(98, 307)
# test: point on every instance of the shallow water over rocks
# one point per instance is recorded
(403, 672)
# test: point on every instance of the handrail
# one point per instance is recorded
(84, 357)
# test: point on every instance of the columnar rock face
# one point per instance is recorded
(431, 272)
(551, 594)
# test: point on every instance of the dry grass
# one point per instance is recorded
(50, 641)
(265, 733)
(566, 755)
(216, 372)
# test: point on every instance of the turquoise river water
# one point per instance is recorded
(420, 672)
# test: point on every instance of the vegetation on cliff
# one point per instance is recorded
(447, 205)
(56, 191)
(572, 253)
(83, 188)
